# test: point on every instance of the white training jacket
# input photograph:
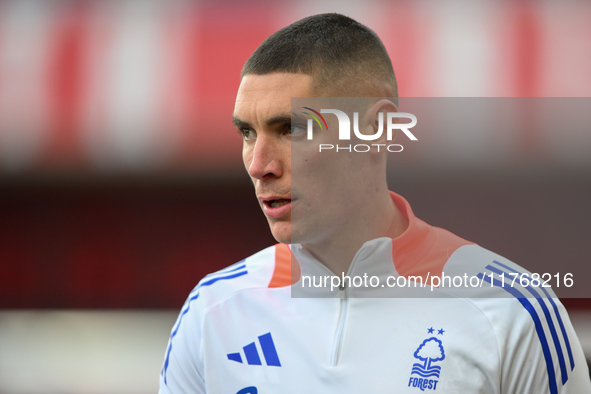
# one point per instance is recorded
(263, 325)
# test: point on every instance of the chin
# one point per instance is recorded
(281, 232)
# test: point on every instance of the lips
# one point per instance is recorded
(276, 206)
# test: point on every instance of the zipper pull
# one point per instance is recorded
(342, 287)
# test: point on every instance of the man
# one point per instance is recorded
(257, 327)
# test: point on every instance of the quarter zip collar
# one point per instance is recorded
(380, 257)
(421, 250)
(373, 259)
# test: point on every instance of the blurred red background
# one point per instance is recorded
(121, 181)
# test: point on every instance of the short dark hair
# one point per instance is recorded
(344, 57)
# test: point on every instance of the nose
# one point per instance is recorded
(265, 159)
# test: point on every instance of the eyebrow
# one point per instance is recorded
(279, 119)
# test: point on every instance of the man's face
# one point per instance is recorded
(288, 173)
(262, 115)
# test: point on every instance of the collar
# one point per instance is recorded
(421, 250)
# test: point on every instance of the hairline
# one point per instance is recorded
(320, 88)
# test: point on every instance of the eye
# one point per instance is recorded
(297, 130)
(247, 134)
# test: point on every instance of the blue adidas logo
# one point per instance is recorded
(252, 354)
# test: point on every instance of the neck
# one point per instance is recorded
(381, 218)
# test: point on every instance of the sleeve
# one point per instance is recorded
(578, 380)
(182, 369)
(543, 352)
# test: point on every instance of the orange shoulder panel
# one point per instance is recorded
(287, 269)
(422, 249)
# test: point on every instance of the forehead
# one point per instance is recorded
(269, 93)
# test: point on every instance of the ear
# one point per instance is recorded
(379, 108)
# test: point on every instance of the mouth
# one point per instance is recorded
(277, 203)
(276, 206)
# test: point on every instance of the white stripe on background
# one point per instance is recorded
(25, 33)
(123, 120)
(362, 12)
(464, 52)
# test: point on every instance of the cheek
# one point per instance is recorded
(246, 156)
